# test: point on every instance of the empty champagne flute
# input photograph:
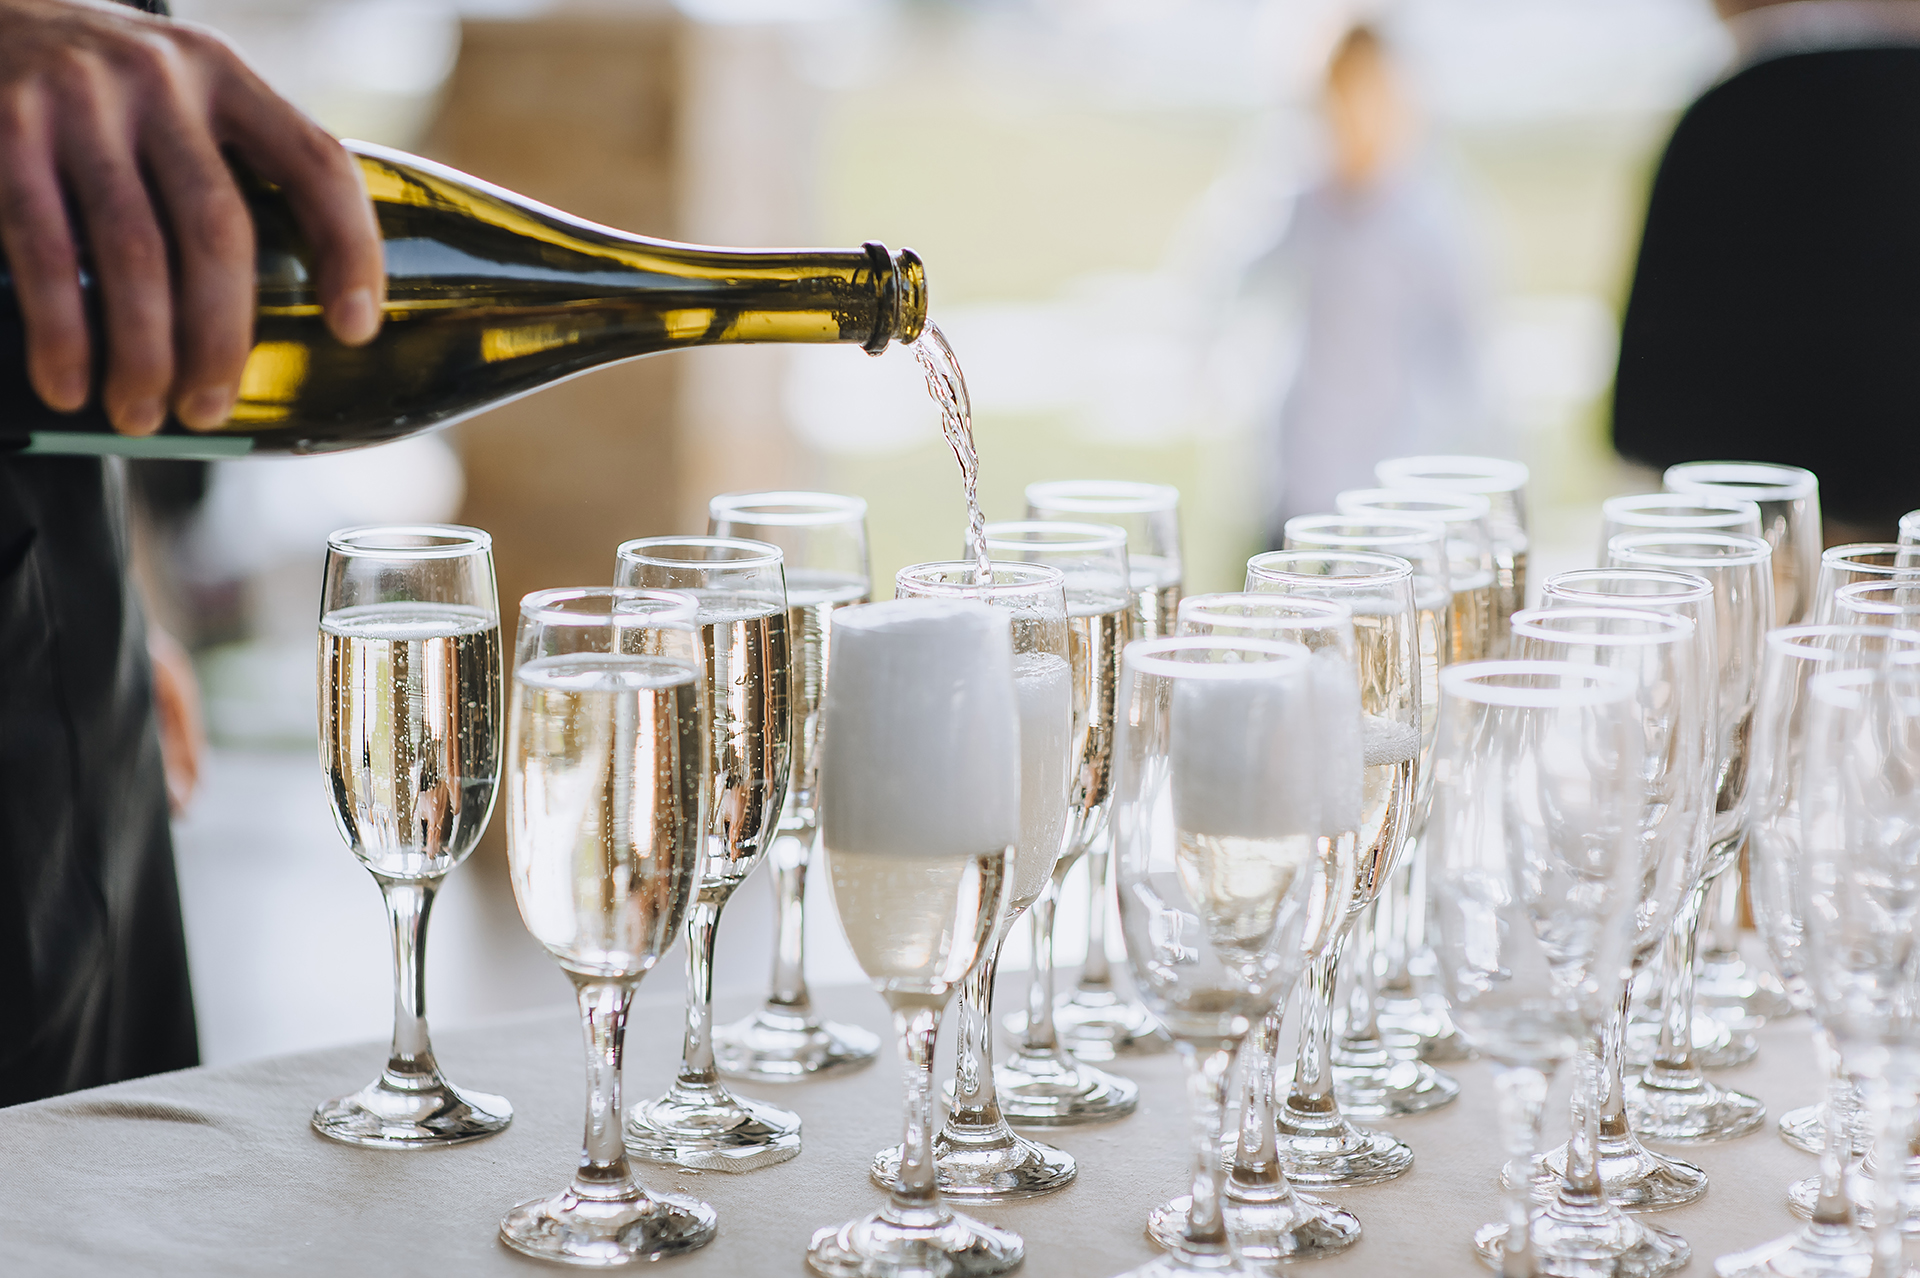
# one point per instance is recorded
(746, 663)
(1269, 1222)
(920, 806)
(1229, 777)
(1910, 528)
(1675, 700)
(607, 754)
(1538, 864)
(1672, 1100)
(1833, 1245)
(410, 742)
(1096, 1019)
(976, 1156)
(1043, 1085)
(1319, 1144)
(823, 545)
(1504, 484)
(1878, 603)
(1861, 562)
(1789, 502)
(1676, 512)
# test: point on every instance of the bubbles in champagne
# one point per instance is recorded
(949, 390)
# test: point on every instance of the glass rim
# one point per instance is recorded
(1770, 481)
(1458, 472)
(1332, 611)
(1694, 587)
(1842, 555)
(759, 554)
(1103, 496)
(1732, 509)
(547, 606)
(1839, 688)
(1791, 641)
(1856, 592)
(456, 540)
(1041, 576)
(1074, 535)
(1466, 681)
(1745, 551)
(825, 508)
(1149, 655)
(1910, 520)
(1388, 568)
(1419, 530)
(1457, 507)
(1527, 623)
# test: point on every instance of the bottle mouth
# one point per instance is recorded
(910, 296)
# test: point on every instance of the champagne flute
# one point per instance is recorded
(1878, 603)
(1538, 866)
(920, 805)
(1230, 776)
(1672, 1100)
(746, 663)
(823, 542)
(1660, 651)
(1043, 1085)
(1268, 1221)
(608, 751)
(1910, 528)
(976, 1156)
(409, 740)
(1095, 1020)
(1467, 518)
(1833, 1245)
(1319, 1145)
(1676, 512)
(1861, 561)
(1504, 484)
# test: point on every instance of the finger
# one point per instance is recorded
(214, 266)
(328, 197)
(40, 254)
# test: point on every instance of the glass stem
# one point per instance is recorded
(1393, 926)
(1256, 1170)
(696, 1058)
(604, 1173)
(974, 1103)
(789, 855)
(1311, 1095)
(1581, 1188)
(1892, 1146)
(1523, 1095)
(410, 1064)
(1096, 975)
(1675, 1053)
(1614, 1125)
(1208, 1075)
(1834, 1209)
(1040, 1038)
(1362, 1007)
(915, 1200)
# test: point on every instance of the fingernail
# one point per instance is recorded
(356, 317)
(205, 409)
(141, 418)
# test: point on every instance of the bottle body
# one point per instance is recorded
(489, 296)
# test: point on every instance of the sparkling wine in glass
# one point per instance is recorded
(920, 789)
(747, 666)
(606, 784)
(823, 540)
(409, 740)
(1504, 484)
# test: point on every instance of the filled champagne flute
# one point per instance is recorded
(1319, 1145)
(1673, 1100)
(607, 771)
(1268, 1221)
(977, 1156)
(1229, 778)
(1478, 630)
(1097, 1019)
(747, 665)
(1504, 484)
(920, 806)
(1539, 865)
(409, 683)
(823, 544)
(1043, 1085)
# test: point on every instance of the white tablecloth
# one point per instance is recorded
(215, 1171)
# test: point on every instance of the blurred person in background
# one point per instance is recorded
(1775, 310)
(114, 126)
(1373, 258)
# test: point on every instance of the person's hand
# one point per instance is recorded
(176, 707)
(112, 128)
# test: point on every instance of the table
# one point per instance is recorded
(214, 1171)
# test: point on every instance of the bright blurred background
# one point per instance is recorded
(1086, 180)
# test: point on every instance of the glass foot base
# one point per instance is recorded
(722, 1133)
(1340, 1157)
(1100, 1024)
(1698, 1113)
(989, 1171)
(382, 1115)
(582, 1231)
(1056, 1091)
(952, 1244)
(1635, 1178)
(1618, 1247)
(1715, 1044)
(1374, 1083)
(776, 1046)
(1804, 1195)
(1806, 1128)
(1828, 1251)
(1297, 1228)
(1738, 994)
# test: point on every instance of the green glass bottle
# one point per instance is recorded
(489, 296)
